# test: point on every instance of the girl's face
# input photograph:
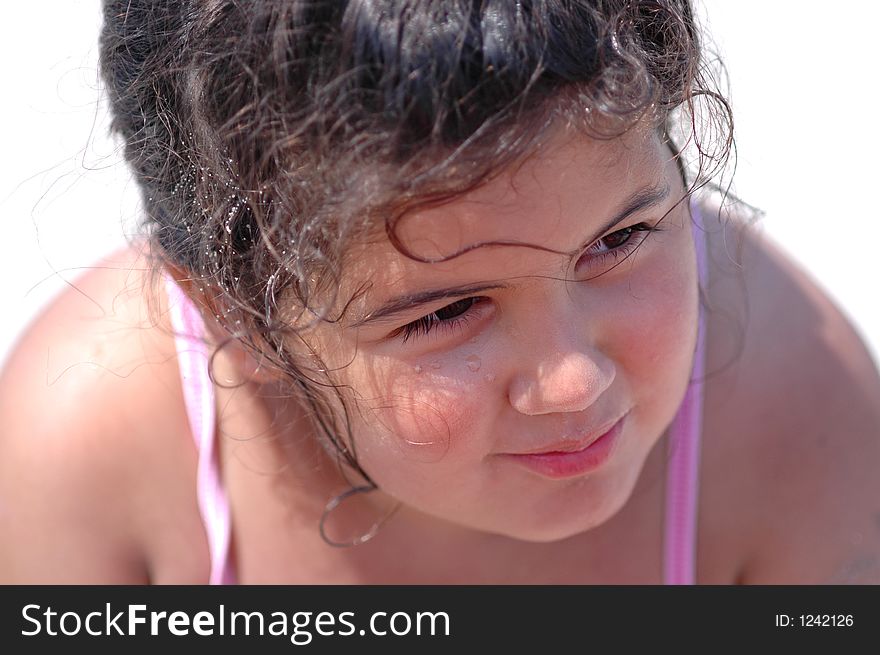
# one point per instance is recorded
(482, 381)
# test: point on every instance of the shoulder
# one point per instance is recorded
(793, 420)
(94, 447)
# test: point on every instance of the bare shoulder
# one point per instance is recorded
(94, 449)
(792, 421)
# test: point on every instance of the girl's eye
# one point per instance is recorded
(619, 245)
(454, 315)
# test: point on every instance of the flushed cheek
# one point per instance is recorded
(657, 336)
(426, 418)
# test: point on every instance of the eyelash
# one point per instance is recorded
(430, 322)
(625, 250)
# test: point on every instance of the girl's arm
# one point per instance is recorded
(96, 466)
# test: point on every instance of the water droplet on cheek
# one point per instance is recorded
(417, 368)
(473, 362)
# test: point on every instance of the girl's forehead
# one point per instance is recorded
(534, 200)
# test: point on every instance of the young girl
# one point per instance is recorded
(428, 295)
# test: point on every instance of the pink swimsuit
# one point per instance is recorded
(679, 561)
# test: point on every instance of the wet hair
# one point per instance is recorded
(268, 136)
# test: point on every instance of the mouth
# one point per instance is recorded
(572, 458)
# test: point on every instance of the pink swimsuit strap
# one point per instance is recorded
(198, 394)
(682, 474)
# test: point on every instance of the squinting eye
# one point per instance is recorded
(620, 244)
(454, 315)
(457, 308)
(619, 238)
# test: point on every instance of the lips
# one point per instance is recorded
(572, 458)
(573, 445)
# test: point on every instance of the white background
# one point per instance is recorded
(804, 83)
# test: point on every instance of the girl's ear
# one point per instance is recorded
(249, 368)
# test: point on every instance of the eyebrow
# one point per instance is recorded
(638, 201)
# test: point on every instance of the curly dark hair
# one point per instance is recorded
(267, 136)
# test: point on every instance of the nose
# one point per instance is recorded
(564, 381)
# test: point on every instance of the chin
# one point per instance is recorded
(576, 514)
(548, 529)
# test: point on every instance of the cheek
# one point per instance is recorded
(417, 417)
(659, 330)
